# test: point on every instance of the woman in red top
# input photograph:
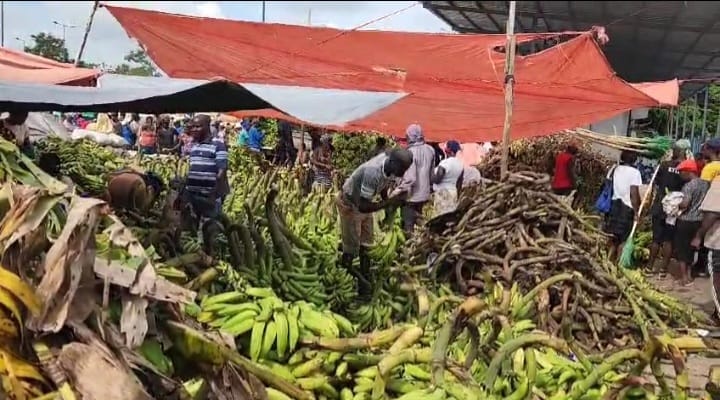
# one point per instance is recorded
(564, 176)
(147, 140)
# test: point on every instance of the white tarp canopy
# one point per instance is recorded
(117, 93)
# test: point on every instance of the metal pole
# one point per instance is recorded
(677, 122)
(2, 23)
(707, 90)
(263, 11)
(717, 127)
(685, 113)
(87, 32)
(670, 121)
(509, 81)
(694, 118)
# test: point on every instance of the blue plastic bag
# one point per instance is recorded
(604, 200)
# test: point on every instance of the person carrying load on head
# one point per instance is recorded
(356, 206)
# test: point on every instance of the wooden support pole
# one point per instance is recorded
(509, 85)
(96, 5)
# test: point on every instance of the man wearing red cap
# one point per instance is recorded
(688, 223)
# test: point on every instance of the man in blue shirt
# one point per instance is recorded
(255, 136)
(206, 182)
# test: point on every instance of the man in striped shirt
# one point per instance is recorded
(206, 182)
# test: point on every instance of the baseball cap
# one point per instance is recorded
(688, 166)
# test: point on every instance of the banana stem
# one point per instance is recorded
(612, 362)
(205, 278)
(346, 345)
(440, 350)
(532, 294)
(511, 346)
(190, 258)
(391, 361)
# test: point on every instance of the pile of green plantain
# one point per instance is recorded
(508, 298)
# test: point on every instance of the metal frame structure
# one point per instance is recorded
(649, 40)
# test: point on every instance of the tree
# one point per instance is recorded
(48, 46)
(138, 63)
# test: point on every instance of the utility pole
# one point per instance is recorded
(64, 27)
(87, 32)
(309, 21)
(263, 11)
(509, 92)
(2, 23)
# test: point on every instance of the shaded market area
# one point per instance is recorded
(370, 215)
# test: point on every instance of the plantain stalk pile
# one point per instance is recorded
(508, 298)
(518, 233)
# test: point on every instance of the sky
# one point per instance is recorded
(108, 42)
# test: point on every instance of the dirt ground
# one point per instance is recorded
(699, 295)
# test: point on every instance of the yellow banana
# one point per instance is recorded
(20, 289)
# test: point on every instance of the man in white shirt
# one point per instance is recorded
(625, 201)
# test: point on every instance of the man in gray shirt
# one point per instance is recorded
(356, 205)
(416, 181)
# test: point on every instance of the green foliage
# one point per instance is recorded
(48, 46)
(351, 150)
(138, 63)
(269, 127)
(693, 109)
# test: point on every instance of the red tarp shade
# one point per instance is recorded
(455, 81)
(16, 66)
(667, 93)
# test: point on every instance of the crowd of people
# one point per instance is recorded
(684, 214)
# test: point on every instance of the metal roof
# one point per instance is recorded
(649, 40)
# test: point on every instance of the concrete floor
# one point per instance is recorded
(699, 295)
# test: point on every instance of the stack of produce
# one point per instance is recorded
(534, 313)
(85, 162)
(654, 147)
(351, 150)
(538, 154)
(516, 232)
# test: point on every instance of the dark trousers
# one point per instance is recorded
(410, 214)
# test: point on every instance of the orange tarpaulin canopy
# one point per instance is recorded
(666, 93)
(455, 81)
(16, 66)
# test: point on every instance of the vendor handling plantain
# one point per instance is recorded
(133, 191)
(356, 206)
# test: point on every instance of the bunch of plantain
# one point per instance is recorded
(274, 327)
(84, 161)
